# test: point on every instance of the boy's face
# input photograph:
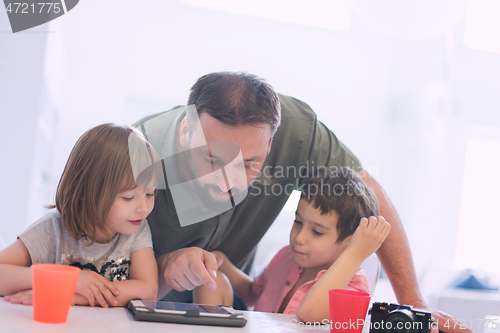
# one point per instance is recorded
(313, 239)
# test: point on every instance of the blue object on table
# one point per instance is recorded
(469, 281)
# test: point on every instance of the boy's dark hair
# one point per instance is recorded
(344, 192)
(236, 98)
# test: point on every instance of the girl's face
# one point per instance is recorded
(129, 210)
(313, 239)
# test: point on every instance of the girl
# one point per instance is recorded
(102, 200)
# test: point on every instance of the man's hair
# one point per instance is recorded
(237, 98)
(98, 168)
(344, 192)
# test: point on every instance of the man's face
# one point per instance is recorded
(254, 142)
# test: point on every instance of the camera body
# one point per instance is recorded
(395, 318)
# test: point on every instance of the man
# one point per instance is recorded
(237, 119)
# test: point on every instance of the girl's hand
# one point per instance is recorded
(94, 287)
(368, 237)
(79, 300)
(23, 297)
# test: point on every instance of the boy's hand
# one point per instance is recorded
(369, 235)
(94, 287)
(23, 297)
(219, 256)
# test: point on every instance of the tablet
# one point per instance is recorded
(186, 313)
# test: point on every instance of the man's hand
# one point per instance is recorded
(368, 237)
(23, 297)
(445, 322)
(187, 268)
(94, 287)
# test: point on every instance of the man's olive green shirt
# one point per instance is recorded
(301, 147)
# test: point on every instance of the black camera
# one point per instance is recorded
(395, 318)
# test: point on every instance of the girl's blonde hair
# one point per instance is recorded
(98, 168)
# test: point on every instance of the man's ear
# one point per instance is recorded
(183, 133)
(270, 143)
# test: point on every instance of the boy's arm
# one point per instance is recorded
(241, 283)
(366, 240)
(315, 304)
(143, 281)
(15, 271)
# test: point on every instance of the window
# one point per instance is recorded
(329, 14)
(478, 242)
(482, 25)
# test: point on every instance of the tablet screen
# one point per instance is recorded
(173, 307)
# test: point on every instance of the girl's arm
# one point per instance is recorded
(15, 271)
(16, 277)
(143, 281)
(368, 237)
(241, 283)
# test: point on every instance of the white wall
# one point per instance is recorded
(399, 88)
(21, 91)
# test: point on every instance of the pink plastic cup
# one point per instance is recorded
(348, 310)
(53, 290)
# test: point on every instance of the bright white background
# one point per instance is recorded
(411, 87)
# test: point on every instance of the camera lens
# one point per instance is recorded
(399, 321)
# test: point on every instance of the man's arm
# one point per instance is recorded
(395, 256)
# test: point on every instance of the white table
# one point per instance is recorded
(15, 318)
(469, 306)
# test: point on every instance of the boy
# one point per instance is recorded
(335, 230)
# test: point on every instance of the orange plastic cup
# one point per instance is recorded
(53, 290)
(348, 310)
